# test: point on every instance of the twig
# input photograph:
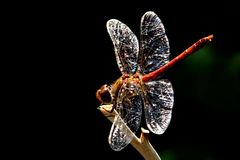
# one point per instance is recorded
(142, 144)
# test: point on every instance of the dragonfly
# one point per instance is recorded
(141, 90)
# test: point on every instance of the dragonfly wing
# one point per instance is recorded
(129, 108)
(158, 104)
(154, 45)
(125, 45)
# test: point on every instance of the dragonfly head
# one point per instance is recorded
(103, 94)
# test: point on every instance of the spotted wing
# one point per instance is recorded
(125, 45)
(129, 107)
(158, 104)
(154, 45)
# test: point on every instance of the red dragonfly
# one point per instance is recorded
(140, 86)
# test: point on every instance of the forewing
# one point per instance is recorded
(158, 104)
(125, 45)
(154, 45)
(129, 107)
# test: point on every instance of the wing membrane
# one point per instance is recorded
(125, 45)
(129, 108)
(154, 45)
(158, 103)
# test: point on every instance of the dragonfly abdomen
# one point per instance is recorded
(196, 46)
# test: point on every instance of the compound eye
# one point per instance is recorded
(103, 94)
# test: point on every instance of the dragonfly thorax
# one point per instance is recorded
(107, 94)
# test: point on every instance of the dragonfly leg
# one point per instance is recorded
(114, 103)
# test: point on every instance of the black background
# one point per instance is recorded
(72, 56)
